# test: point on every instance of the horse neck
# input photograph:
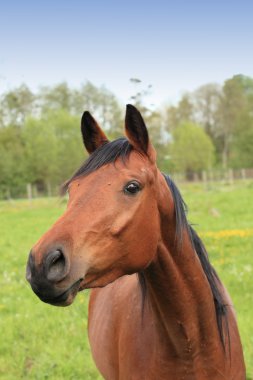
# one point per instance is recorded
(179, 293)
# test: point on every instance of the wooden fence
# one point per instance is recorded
(226, 176)
(209, 177)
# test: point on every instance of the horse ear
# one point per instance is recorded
(93, 136)
(137, 132)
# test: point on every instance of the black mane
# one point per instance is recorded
(121, 148)
(105, 154)
(211, 275)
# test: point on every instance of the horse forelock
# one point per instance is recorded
(105, 154)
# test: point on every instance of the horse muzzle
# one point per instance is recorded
(47, 278)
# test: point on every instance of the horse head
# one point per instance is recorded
(111, 226)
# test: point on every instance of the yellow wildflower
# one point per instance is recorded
(223, 234)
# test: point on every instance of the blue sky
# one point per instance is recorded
(174, 45)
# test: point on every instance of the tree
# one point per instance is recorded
(16, 105)
(102, 104)
(53, 147)
(41, 147)
(70, 149)
(232, 106)
(207, 102)
(242, 145)
(58, 97)
(181, 113)
(192, 149)
(98, 100)
(12, 170)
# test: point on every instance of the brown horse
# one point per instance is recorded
(159, 310)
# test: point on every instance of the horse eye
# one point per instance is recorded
(132, 188)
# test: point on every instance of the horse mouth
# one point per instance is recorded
(99, 279)
(63, 299)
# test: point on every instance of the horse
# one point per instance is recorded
(157, 307)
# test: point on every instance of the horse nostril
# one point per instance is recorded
(55, 265)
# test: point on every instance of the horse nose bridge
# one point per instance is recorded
(58, 235)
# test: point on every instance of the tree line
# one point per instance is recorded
(40, 140)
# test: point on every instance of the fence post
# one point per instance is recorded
(204, 179)
(243, 174)
(29, 191)
(211, 178)
(49, 189)
(8, 194)
(35, 191)
(231, 176)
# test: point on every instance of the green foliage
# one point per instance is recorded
(12, 166)
(40, 150)
(183, 112)
(242, 145)
(221, 112)
(45, 151)
(16, 105)
(192, 149)
(234, 106)
(40, 140)
(53, 147)
(98, 100)
(40, 341)
(58, 97)
(207, 100)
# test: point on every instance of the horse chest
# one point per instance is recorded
(124, 344)
(121, 344)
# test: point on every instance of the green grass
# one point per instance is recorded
(39, 341)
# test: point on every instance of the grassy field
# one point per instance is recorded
(39, 341)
